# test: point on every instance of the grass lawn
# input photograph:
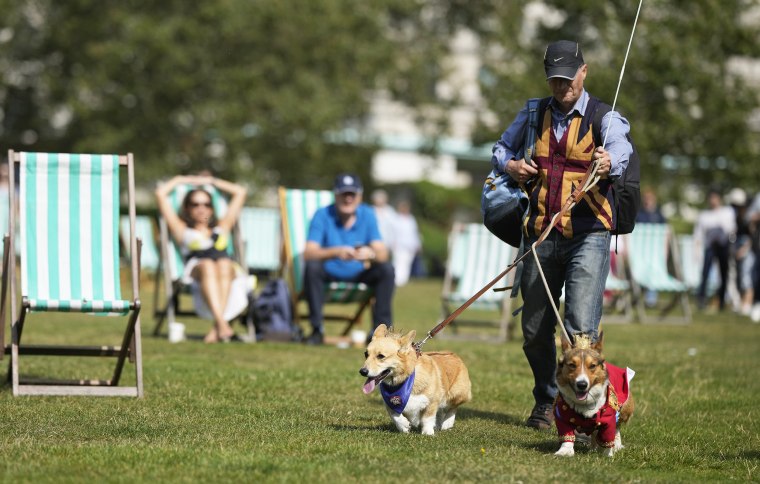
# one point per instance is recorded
(277, 412)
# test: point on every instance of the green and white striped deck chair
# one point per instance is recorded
(620, 291)
(651, 245)
(68, 211)
(691, 262)
(260, 230)
(172, 267)
(475, 257)
(297, 208)
(149, 258)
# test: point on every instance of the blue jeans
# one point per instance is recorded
(581, 264)
(379, 276)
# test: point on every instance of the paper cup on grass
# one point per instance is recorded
(358, 337)
(176, 332)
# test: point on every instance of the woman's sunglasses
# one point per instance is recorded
(200, 204)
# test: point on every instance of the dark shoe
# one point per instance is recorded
(541, 417)
(316, 338)
(234, 338)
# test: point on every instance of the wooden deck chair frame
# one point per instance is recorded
(131, 347)
(672, 284)
(295, 233)
(480, 266)
(169, 274)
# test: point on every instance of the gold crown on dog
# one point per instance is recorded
(582, 341)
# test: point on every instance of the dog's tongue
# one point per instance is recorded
(581, 395)
(369, 386)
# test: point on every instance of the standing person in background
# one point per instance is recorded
(753, 220)
(741, 252)
(576, 252)
(386, 216)
(406, 242)
(715, 227)
(649, 213)
(344, 244)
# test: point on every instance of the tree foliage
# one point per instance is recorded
(263, 91)
(248, 89)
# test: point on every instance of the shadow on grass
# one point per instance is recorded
(503, 418)
(749, 455)
(550, 445)
(388, 428)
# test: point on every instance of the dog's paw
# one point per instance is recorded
(428, 426)
(448, 422)
(608, 451)
(618, 442)
(567, 449)
(402, 424)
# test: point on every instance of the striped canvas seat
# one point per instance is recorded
(651, 246)
(69, 255)
(72, 212)
(260, 230)
(616, 284)
(296, 209)
(649, 258)
(172, 267)
(475, 257)
(691, 261)
(149, 258)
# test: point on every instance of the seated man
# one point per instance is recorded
(344, 244)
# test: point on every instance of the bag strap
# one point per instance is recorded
(531, 128)
(600, 109)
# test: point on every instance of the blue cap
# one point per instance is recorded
(347, 182)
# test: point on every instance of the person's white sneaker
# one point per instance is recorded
(746, 309)
(755, 314)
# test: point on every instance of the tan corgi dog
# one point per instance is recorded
(594, 397)
(419, 391)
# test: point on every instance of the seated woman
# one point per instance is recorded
(203, 241)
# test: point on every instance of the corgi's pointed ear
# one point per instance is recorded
(407, 340)
(566, 344)
(380, 332)
(599, 343)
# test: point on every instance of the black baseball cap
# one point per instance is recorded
(562, 59)
(347, 182)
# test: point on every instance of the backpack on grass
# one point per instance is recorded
(273, 315)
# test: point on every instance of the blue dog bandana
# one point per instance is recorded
(397, 397)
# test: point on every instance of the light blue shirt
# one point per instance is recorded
(614, 130)
(327, 231)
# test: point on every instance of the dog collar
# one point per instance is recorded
(397, 397)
